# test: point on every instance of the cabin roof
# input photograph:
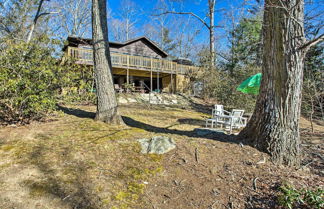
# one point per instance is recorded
(75, 41)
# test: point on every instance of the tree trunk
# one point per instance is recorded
(106, 99)
(212, 32)
(32, 28)
(274, 127)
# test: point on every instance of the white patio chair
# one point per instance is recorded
(219, 110)
(216, 112)
(234, 120)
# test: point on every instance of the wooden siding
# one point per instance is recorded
(137, 48)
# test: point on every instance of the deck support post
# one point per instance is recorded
(151, 81)
(127, 77)
(171, 84)
(158, 82)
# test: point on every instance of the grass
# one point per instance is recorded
(76, 162)
(82, 161)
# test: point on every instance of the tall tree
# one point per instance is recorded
(74, 18)
(274, 127)
(210, 26)
(107, 110)
(245, 44)
(37, 16)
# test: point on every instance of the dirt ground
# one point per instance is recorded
(72, 161)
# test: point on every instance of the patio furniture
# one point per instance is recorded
(234, 120)
(118, 88)
(217, 112)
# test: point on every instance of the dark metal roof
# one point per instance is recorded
(75, 41)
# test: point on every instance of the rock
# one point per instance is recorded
(122, 100)
(132, 100)
(157, 145)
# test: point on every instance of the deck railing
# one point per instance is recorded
(85, 56)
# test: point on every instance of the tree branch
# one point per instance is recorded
(311, 43)
(185, 13)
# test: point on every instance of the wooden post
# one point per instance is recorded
(158, 82)
(151, 84)
(171, 84)
(127, 77)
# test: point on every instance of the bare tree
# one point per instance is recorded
(210, 26)
(274, 127)
(37, 16)
(124, 21)
(107, 110)
(74, 18)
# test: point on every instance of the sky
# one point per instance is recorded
(199, 7)
(224, 10)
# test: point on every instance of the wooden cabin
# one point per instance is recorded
(138, 62)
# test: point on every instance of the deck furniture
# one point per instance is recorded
(118, 89)
(234, 121)
(216, 112)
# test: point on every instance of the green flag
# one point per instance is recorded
(251, 85)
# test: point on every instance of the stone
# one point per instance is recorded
(122, 100)
(157, 145)
(132, 100)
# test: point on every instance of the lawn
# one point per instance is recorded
(72, 161)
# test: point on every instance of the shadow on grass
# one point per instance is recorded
(191, 121)
(77, 112)
(75, 191)
(197, 133)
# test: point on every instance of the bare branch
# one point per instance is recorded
(311, 43)
(185, 13)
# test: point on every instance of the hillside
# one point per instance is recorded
(71, 161)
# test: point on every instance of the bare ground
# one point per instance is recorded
(73, 161)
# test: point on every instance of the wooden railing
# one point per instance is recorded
(85, 56)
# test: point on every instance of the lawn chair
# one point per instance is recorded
(216, 113)
(118, 89)
(234, 120)
(219, 110)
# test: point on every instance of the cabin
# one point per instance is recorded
(138, 64)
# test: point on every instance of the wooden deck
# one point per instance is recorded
(85, 56)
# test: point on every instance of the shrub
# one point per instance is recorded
(291, 197)
(222, 86)
(28, 82)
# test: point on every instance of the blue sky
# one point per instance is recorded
(200, 7)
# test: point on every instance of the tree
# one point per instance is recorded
(107, 110)
(37, 16)
(245, 44)
(124, 24)
(74, 18)
(274, 127)
(211, 26)
(14, 19)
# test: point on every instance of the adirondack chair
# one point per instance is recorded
(216, 113)
(219, 110)
(234, 120)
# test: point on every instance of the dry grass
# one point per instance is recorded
(76, 162)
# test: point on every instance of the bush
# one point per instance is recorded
(77, 84)
(291, 197)
(222, 86)
(28, 82)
